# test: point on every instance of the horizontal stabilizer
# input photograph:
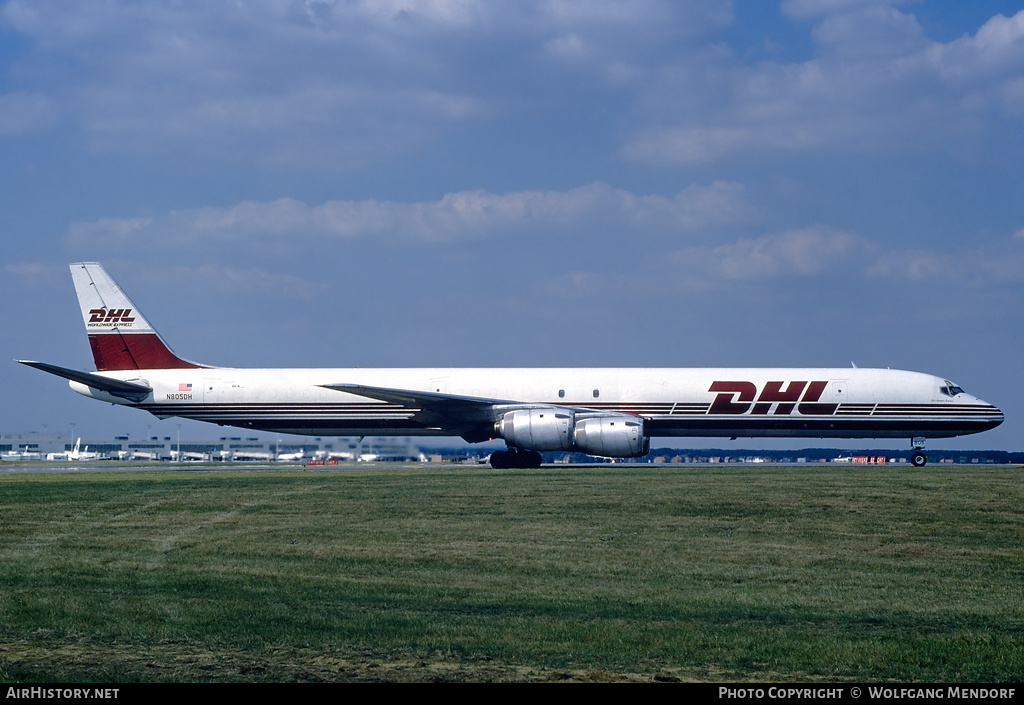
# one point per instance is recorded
(119, 388)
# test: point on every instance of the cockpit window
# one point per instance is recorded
(951, 390)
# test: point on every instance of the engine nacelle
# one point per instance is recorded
(537, 429)
(612, 436)
(608, 435)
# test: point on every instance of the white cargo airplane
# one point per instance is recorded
(599, 411)
(291, 457)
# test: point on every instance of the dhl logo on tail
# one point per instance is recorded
(115, 316)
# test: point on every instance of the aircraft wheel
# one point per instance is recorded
(531, 459)
(501, 459)
(918, 459)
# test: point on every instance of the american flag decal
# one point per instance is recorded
(184, 387)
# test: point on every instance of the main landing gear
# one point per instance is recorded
(918, 458)
(515, 458)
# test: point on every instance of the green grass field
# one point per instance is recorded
(622, 572)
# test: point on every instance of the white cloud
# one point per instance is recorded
(877, 83)
(987, 66)
(983, 265)
(802, 252)
(783, 260)
(806, 9)
(456, 216)
(322, 84)
(874, 32)
(568, 46)
(234, 279)
(911, 264)
(699, 144)
(108, 230)
(34, 270)
(998, 37)
(789, 256)
(798, 253)
(328, 85)
(255, 82)
(444, 13)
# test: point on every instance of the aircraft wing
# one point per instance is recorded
(470, 417)
(119, 388)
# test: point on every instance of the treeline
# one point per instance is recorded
(935, 455)
(809, 455)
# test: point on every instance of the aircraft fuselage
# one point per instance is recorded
(729, 402)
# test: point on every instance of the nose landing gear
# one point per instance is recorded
(918, 458)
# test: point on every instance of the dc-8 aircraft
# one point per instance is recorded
(600, 411)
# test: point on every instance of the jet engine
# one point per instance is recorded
(611, 436)
(537, 429)
(607, 435)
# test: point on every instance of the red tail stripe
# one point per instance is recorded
(136, 351)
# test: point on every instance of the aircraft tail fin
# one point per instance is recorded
(120, 337)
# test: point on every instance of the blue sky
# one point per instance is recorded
(489, 183)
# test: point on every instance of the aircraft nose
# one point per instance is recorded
(990, 414)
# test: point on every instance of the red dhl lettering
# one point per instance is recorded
(737, 397)
(113, 316)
